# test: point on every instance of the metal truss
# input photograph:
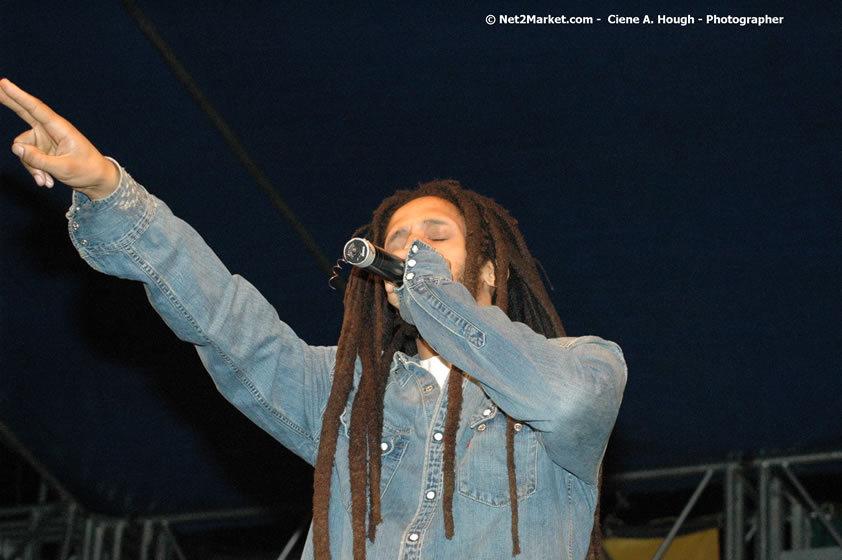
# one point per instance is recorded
(56, 525)
(767, 510)
(64, 531)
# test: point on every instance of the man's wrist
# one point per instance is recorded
(109, 183)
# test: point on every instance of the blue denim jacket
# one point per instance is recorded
(566, 392)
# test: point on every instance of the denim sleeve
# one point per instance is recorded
(256, 361)
(568, 389)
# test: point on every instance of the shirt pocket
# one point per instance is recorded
(393, 446)
(483, 473)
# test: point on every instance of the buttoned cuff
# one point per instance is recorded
(423, 264)
(111, 223)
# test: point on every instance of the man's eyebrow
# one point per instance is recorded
(425, 223)
(429, 222)
(437, 222)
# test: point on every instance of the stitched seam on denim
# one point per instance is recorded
(317, 437)
(529, 486)
(404, 445)
(345, 421)
(460, 323)
(569, 517)
(128, 239)
(534, 454)
(400, 431)
(242, 377)
(410, 550)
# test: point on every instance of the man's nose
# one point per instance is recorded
(413, 235)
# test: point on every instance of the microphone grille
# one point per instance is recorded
(357, 251)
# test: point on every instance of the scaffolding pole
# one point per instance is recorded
(758, 526)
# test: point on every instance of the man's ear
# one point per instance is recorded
(487, 274)
(486, 284)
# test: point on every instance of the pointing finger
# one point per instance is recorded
(31, 109)
(10, 96)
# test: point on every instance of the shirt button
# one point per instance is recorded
(75, 225)
(411, 262)
(518, 427)
(428, 388)
(84, 242)
(414, 537)
(486, 412)
(414, 248)
(438, 436)
(430, 495)
(410, 275)
(481, 428)
(384, 446)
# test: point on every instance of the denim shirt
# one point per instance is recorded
(564, 392)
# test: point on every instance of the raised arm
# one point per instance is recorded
(53, 149)
(257, 361)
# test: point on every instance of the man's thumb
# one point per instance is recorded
(30, 155)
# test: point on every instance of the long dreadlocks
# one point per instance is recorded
(373, 331)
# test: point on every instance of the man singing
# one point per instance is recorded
(454, 419)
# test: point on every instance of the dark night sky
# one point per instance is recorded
(680, 184)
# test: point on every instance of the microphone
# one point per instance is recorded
(364, 254)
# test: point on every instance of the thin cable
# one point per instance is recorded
(231, 138)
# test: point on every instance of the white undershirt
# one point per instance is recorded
(438, 368)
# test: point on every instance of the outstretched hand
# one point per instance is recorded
(53, 149)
